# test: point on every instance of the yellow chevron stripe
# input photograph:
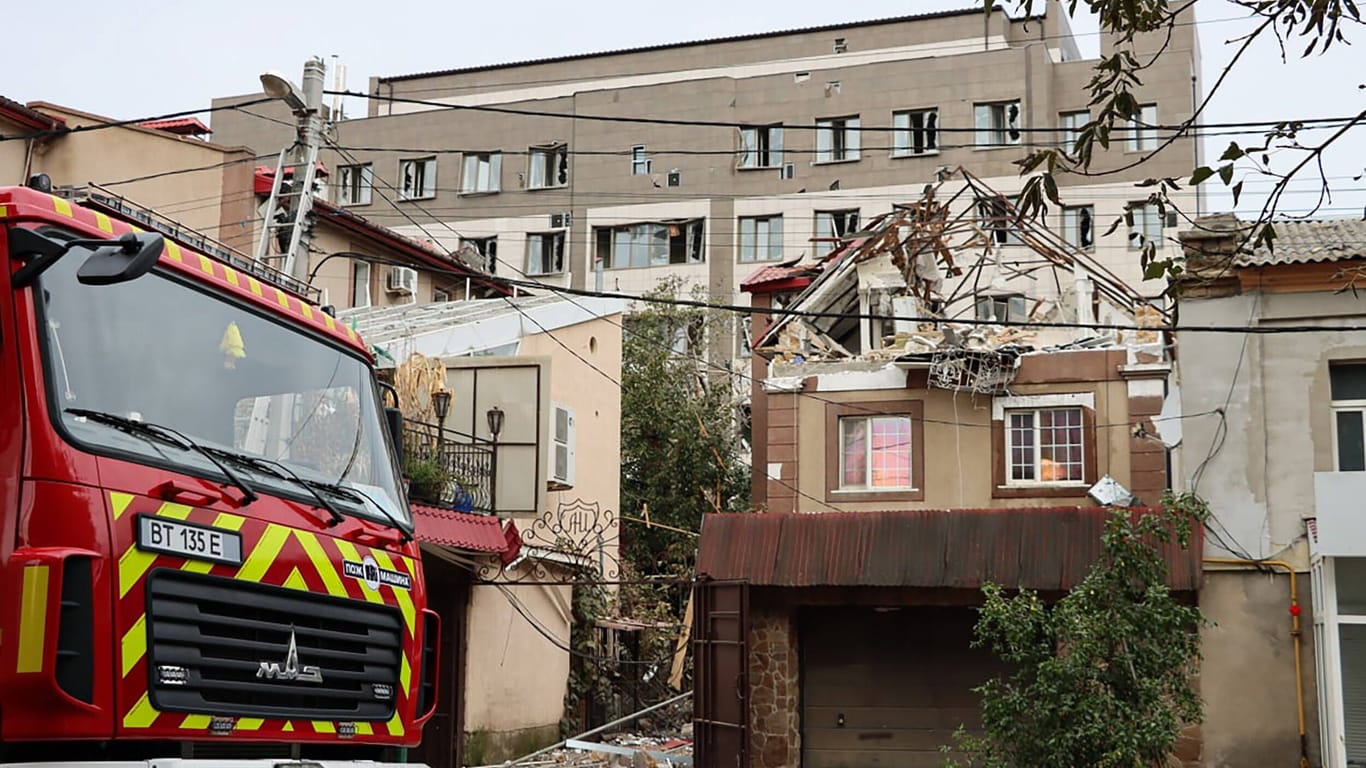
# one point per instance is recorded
(134, 563)
(250, 724)
(230, 275)
(199, 722)
(323, 726)
(61, 206)
(4, 211)
(329, 322)
(405, 675)
(396, 726)
(263, 556)
(365, 729)
(103, 223)
(33, 620)
(282, 298)
(134, 644)
(296, 581)
(142, 715)
(405, 600)
(306, 310)
(225, 521)
(205, 264)
(119, 502)
(254, 286)
(288, 727)
(349, 552)
(327, 570)
(173, 252)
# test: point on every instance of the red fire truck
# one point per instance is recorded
(205, 549)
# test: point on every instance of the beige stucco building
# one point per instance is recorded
(551, 365)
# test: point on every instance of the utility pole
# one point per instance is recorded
(296, 204)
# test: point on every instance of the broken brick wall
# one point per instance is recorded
(774, 687)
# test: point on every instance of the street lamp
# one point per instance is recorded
(495, 416)
(306, 104)
(441, 403)
(278, 86)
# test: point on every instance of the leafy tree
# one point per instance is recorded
(680, 440)
(1317, 24)
(1103, 677)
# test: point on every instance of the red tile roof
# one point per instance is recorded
(449, 528)
(183, 126)
(1046, 548)
(27, 116)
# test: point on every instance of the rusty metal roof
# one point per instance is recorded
(1045, 548)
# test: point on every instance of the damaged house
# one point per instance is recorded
(946, 399)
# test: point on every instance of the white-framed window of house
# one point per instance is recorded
(1347, 384)
(439, 295)
(997, 123)
(355, 183)
(1143, 129)
(1003, 308)
(360, 283)
(545, 253)
(649, 244)
(837, 139)
(1147, 226)
(836, 223)
(548, 166)
(761, 238)
(995, 216)
(744, 328)
(1339, 616)
(761, 147)
(640, 162)
(1069, 127)
(417, 178)
(875, 453)
(1079, 226)
(915, 132)
(483, 173)
(1045, 438)
(487, 248)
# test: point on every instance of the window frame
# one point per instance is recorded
(834, 412)
(1069, 129)
(640, 161)
(740, 222)
(364, 178)
(761, 148)
(554, 156)
(1142, 129)
(689, 229)
(527, 251)
(903, 143)
(1345, 405)
(1073, 238)
(1150, 219)
(833, 215)
(845, 139)
(999, 127)
(480, 246)
(357, 267)
(430, 161)
(494, 161)
(1001, 407)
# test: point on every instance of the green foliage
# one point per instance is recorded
(426, 479)
(680, 439)
(1103, 677)
(589, 679)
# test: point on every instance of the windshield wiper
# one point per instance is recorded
(280, 470)
(359, 495)
(147, 429)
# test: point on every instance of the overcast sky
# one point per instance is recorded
(145, 57)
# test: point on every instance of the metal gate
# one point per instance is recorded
(721, 675)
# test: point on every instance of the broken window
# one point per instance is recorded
(1045, 446)
(354, 183)
(1146, 227)
(997, 123)
(875, 452)
(997, 220)
(483, 173)
(640, 162)
(744, 327)
(1078, 226)
(761, 147)
(1069, 128)
(836, 223)
(761, 238)
(545, 253)
(651, 244)
(915, 132)
(439, 295)
(417, 178)
(1347, 384)
(837, 139)
(1002, 309)
(360, 283)
(486, 248)
(1143, 129)
(548, 166)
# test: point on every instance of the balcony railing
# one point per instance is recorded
(449, 469)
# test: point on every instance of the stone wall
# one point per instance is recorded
(774, 685)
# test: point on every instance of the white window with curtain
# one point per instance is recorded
(1143, 129)
(837, 139)
(548, 166)
(483, 173)
(360, 284)
(1339, 616)
(761, 238)
(997, 123)
(915, 132)
(761, 147)
(417, 178)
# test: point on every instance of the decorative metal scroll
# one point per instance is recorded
(579, 531)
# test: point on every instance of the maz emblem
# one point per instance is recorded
(292, 671)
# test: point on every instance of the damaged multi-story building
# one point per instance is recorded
(928, 417)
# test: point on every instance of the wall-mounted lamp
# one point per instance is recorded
(495, 416)
(441, 403)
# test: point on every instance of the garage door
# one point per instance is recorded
(888, 688)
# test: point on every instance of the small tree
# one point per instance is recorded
(1103, 677)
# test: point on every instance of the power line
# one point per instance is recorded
(64, 131)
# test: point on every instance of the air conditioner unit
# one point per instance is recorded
(562, 449)
(402, 280)
(561, 220)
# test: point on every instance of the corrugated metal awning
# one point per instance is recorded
(1045, 548)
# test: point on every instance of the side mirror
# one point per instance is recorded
(127, 258)
(393, 418)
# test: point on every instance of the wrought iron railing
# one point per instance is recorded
(448, 468)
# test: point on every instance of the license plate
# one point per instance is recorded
(199, 542)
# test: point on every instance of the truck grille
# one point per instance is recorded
(222, 647)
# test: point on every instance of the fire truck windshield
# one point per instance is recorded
(161, 350)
